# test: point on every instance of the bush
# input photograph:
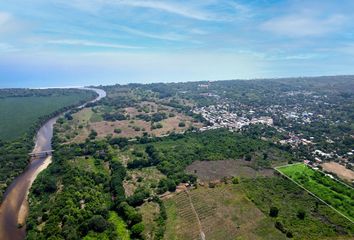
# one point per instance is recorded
(137, 230)
(181, 124)
(130, 215)
(301, 214)
(117, 130)
(156, 126)
(289, 234)
(273, 212)
(236, 180)
(279, 226)
(138, 197)
(93, 134)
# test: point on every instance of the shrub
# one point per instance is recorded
(279, 226)
(301, 214)
(236, 180)
(117, 130)
(181, 124)
(273, 212)
(137, 230)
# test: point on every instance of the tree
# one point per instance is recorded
(273, 212)
(97, 223)
(93, 134)
(181, 124)
(301, 214)
(137, 230)
(117, 130)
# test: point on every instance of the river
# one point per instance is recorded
(14, 208)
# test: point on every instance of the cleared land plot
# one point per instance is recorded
(90, 164)
(214, 170)
(145, 177)
(332, 192)
(78, 129)
(18, 114)
(84, 121)
(225, 213)
(340, 170)
(135, 128)
(149, 212)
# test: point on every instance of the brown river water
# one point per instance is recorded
(14, 208)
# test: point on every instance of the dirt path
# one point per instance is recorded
(202, 235)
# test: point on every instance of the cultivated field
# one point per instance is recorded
(334, 193)
(216, 170)
(225, 213)
(18, 114)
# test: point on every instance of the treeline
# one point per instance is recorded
(171, 155)
(26, 92)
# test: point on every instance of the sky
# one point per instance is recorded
(47, 43)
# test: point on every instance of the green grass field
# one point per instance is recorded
(18, 114)
(320, 222)
(331, 191)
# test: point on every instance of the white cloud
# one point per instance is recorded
(178, 9)
(4, 18)
(303, 25)
(163, 36)
(91, 44)
(10, 25)
(188, 9)
(5, 47)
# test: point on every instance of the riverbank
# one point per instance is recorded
(14, 208)
(24, 210)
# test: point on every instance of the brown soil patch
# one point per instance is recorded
(340, 170)
(170, 125)
(214, 170)
(105, 128)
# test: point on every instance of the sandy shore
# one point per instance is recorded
(22, 215)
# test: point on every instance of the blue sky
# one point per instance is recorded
(80, 42)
